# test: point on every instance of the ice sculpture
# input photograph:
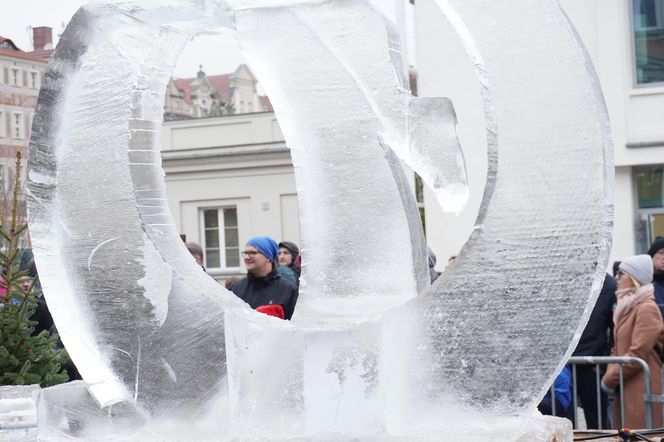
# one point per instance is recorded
(372, 350)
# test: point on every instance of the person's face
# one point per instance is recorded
(285, 257)
(624, 281)
(255, 262)
(658, 261)
(199, 260)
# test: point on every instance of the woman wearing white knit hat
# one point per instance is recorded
(638, 332)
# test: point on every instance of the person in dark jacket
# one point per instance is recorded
(263, 288)
(656, 252)
(433, 273)
(287, 256)
(596, 340)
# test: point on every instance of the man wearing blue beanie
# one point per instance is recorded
(263, 288)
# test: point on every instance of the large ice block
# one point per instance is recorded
(131, 306)
(499, 323)
(371, 110)
(373, 351)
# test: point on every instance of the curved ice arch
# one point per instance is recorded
(455, 343)
(126, 296)
(142, 322)
(501, 321)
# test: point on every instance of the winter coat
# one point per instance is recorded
(562, 387)
(658, 283)
(433, 274)
(637, 333)
(289, 275)
(271, 289)
(597, 336)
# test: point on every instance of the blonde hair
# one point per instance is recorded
(636, 283)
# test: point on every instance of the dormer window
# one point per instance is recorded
(7, 44)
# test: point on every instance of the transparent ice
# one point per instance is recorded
(373, 351)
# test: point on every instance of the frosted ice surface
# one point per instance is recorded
(128, 299)
(159, 343)
(189, 16)
(18, 413)
(497, 325)
(371, 110)
(431, 123)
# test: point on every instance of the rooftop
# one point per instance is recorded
(9, 49)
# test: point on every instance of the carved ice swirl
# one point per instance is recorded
(372, 348)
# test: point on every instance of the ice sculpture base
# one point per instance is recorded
(313, 382)
(547, 429)
(18, 413)
(303, 381)
(67, 412)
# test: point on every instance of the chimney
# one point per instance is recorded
(42, 38)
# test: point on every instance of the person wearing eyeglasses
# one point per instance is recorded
(263, 288)
(638, 332)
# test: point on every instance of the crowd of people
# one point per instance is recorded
(626, 321)
(273, 275)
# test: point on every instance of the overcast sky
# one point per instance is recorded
(217, 54)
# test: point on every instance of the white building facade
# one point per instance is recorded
(231, 177)
(625, 39)
(228, 179)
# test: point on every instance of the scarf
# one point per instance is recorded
(628, 298)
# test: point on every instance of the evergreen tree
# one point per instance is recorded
(25, 357)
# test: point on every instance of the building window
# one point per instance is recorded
(650, 195)
(3, 129)
(220, 239)
(16, 77)
(34, 79)
(648, 16)
(2, 179)
(649, 187)
(17, 125)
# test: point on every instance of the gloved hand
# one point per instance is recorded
(608, 390)
(275, 310)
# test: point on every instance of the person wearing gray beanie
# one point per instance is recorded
(638, 332)
(639, 267)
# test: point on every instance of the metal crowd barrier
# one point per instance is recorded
(648, 397)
